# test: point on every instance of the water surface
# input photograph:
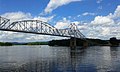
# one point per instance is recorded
(59, 59)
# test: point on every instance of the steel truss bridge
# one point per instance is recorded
(39, 27)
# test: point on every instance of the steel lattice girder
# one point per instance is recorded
(39, 27)
(3, 22)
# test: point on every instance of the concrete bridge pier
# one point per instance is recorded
(85, 44)
(73, 47)
(73, 43)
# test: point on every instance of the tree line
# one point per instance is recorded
(5, 44)
(91, 42)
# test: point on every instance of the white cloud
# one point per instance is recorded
(87, 13)
(102, 20)
(105, 31)
(45, 19)
(76, 22)
(116, 13)
(105, 27)
(53, 4)
(110, 19)
(82, 27)
(15, 16)
(62, 23)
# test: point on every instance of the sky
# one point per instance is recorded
(94, 18)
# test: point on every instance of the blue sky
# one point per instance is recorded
(35, 7)
(92, 16)
(32, 6)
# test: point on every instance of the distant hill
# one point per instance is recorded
(18, 43)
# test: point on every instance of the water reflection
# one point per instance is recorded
(79, 63)
(59, 59)
(115, 54)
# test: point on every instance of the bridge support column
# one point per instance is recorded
(73, 43)
(85, 44)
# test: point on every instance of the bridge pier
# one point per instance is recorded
(73, 43)
(85, 44)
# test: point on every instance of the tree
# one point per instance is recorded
(114, 41)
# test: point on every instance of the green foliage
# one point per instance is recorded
(5, 44)
(37, 43)
(98, 42)
(79, 42)
(113, 41)
(64, 42)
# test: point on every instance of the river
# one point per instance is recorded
(59, 59)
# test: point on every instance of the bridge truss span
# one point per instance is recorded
(39, 27)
